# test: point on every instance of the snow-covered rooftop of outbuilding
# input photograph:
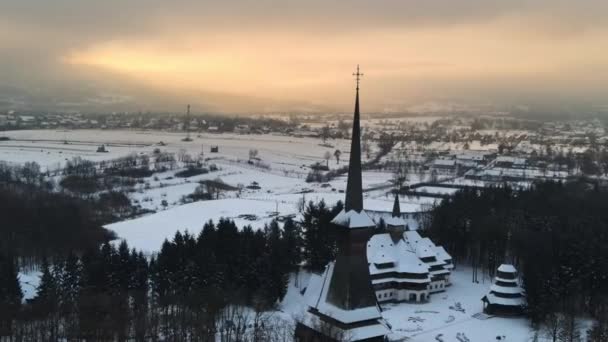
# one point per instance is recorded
(506, 289)
(507, 268)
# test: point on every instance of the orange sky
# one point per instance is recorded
(302, 55)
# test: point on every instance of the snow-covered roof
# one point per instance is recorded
(444, 162)
(411, 221)
(316, 297)
(507, 268)
(477, 156)
(424, 280)
(366, 332)
(355, 334)
(442, 253)
(497, 278)
(508, 159)
(353, 219)
(506, 289)
(383, 257)
(412, 236)
(381, 247)
(395, 222)
(493, 299)
(425, 248)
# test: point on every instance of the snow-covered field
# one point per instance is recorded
(48, 148)
(282, 185)
(281, 188)
(436, 190)
(148, 232)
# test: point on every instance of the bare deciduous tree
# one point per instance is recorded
(253, 154)
(337, 154)
(327, 157)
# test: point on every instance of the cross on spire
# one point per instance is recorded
(357, 76)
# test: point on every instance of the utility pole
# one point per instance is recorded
(187, 125)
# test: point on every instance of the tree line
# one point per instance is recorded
(222, 283)
(555, 233)
(38, 222)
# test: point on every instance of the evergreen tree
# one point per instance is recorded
(47, 294)
(293, 243)
(319, 240)
(277, 263)
(10, 293)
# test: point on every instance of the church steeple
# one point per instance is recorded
(354, 187)
(396, 207)
(343, 297)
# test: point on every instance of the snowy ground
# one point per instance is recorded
(281, 188)
(148, 232)
(436, 190)
(48, 149)
(29, 283)
(425, 322)
(283, 184)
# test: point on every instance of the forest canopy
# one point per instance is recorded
(555, 233)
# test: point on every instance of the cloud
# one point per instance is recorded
(258, 54)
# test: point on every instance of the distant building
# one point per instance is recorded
(242, 129)
(444, 166)
(510, 162)
(473, 159)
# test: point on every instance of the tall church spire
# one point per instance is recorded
(396, 207)
(343, 298)
(354, 187)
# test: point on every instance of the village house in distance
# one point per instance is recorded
(371, 267)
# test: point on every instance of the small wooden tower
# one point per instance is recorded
(506, 297)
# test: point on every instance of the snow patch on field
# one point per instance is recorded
(148, 232)
(436, 190)
(29, 282)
